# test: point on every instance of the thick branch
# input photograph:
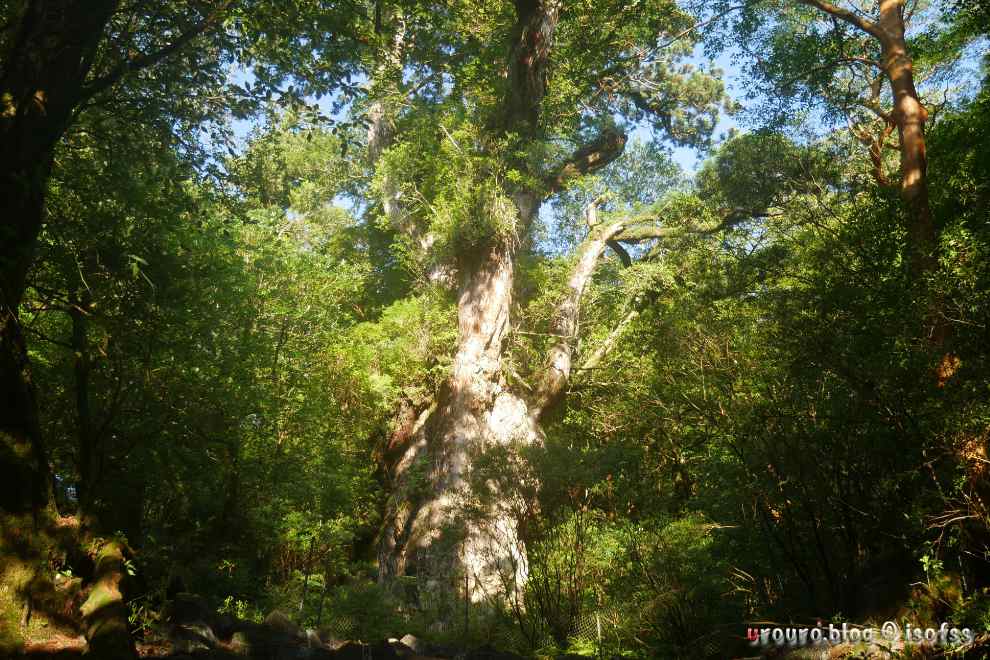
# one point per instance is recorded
(565, 322)
(645, 232)
(557, 372)
(590, 158)
(645, 228)
(852, 18)
(621, 253)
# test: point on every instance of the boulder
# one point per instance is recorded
(192, 637)
(190, 608)
(280, 622)
(401, 649)
(193, 625)
(351, 651)
(412, 642)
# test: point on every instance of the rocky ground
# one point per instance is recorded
(193, 630)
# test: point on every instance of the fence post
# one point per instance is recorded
(598, 629)
(467, 601)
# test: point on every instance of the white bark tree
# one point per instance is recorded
(449, 522)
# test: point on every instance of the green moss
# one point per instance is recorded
(102, 595)
(27, 552)
(10, 609)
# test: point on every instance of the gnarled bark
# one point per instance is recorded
(449, 523)
(428, 531)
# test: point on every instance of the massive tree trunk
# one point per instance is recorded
(453, 519)
(456, 533)
(434, 530)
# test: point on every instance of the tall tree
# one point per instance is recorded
(888, 28)
(57, 61)
(55, 58)
(860, 63)
(527, 78)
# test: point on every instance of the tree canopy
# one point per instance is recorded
(380, 318)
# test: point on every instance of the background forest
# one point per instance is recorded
(752, 389)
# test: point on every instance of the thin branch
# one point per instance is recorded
(609, 342)
(150, 59)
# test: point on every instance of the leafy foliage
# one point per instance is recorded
(231, 341)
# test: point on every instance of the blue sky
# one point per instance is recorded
(686, 157)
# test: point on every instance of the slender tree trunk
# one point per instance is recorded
(84, 416)
(910, 116)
